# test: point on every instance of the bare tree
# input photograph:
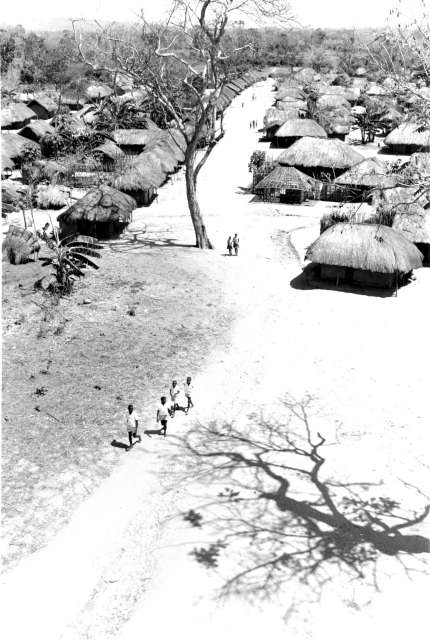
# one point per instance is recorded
(273, 509)
(184, 64)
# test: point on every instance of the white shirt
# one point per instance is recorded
(174, 392)
(163, 412)
(188, 388)
(131, 420)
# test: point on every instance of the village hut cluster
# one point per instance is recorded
(313, 123)
(123, 171)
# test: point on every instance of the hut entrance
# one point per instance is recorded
(292, 196)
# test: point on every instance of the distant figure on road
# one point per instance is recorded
(174, 393)
(188, 389)
(132, 422)
(243, 104)
(229, 246)
(163, 414)
(236, 244)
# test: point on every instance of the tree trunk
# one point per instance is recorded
(202, 240)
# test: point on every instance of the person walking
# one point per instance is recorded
(188, 389)
(132, 423)
(163, 414)
(229, 246)
(174, 393)
(236, 244)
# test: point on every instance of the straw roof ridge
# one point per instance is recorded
(408, 133)
(299, 127)
(370, 247)
(15, 113)
(285, 178)
(320, 152)
(134, 137)
(276, 116)
(100, 204)
(370, 172)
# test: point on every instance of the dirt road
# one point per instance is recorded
(121, 568)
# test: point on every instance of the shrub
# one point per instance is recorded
(51, 197)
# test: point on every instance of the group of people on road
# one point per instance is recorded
(233, 245)
(165, 410)
(253, 124)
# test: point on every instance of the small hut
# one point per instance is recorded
(73, 103)
(284, 184)
(108, 153)
(16, 116)
(274, 118)
(364, 254)
(415, 226)
(320, 157)
(408, 138)
(134, 141)
(103, 212)
(15, 146)
(138, 182)
(36, 130)
(364, 177)
(43, 106)
(297, 128)
(97, 92)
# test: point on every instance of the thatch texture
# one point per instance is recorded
(369, 247)
(285, 178)
(291, 103)
(151, 166)
(134, 137)
(167, 162)
(16, 115)
(19, 244)
(369, 173)
(294, 93)
(414, 225)
(14, 146)
(44, 170)
(36, 130)
(320, 152)
(101, 204)
(51, 196)
(137, 177)
(408, 134)
(109, 151)
(12, 193)
(332, 100)
(276, 117)
(98, 91)
(300, 127)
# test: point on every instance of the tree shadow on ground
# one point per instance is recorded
(274, 513)
(130, 244)
(306, 281)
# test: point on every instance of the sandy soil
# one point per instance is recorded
(122, 562)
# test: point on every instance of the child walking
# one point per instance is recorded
(132, 422)
(229, 246)
(174, 393)
(163, 414)
(236, 244)
(188, 389)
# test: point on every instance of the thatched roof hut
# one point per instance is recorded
(292, 130)
(44, 170)
(150, 166)
(285, 177)
(407, 138)
(291, 103)
(167, 162)
(15, 146)
(138, 182)
(72, 102)
(102, 212)
(293, 93)
(357, 253)
(276, 117)
(96, 92)
(108, 151)
(315, 155)
(16, 116)
(332, 100)
(36, 130)
(43, 106)
(368, 173)
(134, 140)
(11, 195)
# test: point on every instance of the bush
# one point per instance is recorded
(51, 197)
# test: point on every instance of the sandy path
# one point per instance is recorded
(121, 558)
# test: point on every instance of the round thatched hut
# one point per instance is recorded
(103, 212)
(43, 106)
(284, 184)
(320, 157)
(108, 153)
(297, 128)
(274, 118)
(36, 130)
(408, 138)
(134, 141)
(415, 226)
(138, 181)
(16, 147)
(364, 177)
(16, 116)
(364, 254)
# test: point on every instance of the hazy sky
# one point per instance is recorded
(315, 13)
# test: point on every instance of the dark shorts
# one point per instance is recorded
(164, 423)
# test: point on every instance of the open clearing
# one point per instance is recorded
(248, 336)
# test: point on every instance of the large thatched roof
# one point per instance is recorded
(370, 173)
(36, 130)
(135, 178)
(408, 133)
(14, 146)
(16, 115)
(134, 137)
(166, 160)
(292, 103)
(300, 127)
(276, 117)
(285, 178)
(152, 165)
(320, 152)
(101, 204)
(294, 93)
(414, 225)
(369, 247)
